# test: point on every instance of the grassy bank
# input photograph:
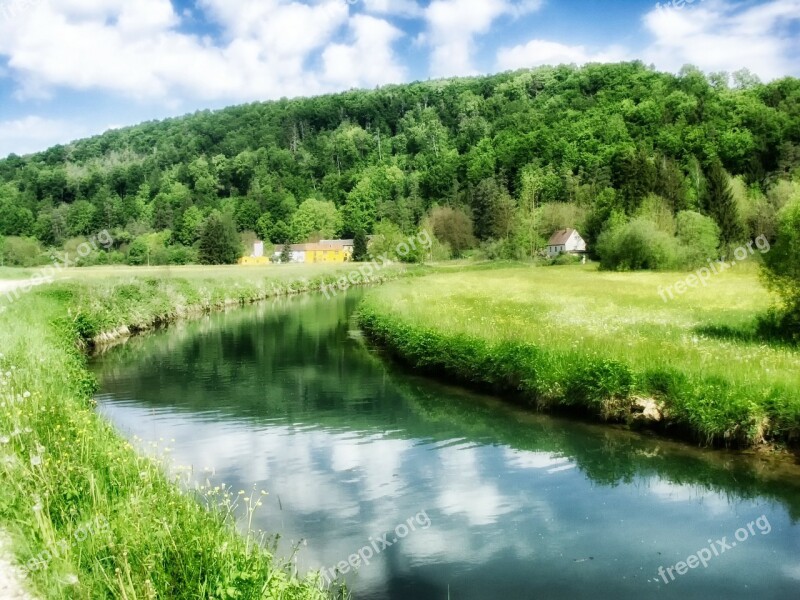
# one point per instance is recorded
(604, 344)
(90, 517)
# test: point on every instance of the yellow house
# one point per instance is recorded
(329, 251)
(326, 251)
(254, 261)
(257, 258)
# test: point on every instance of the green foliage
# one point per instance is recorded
(782, 269)
(636, 245)
(608, 345)
(721, 205)
(191, 226)
(219, 241)
(286, 252)
(21, 252)
(591, 141)
(183, 542)
(699, 238)
(316, 220)
(452, 227)
(360, 250)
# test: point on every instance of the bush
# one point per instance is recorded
(566, 259)
(182, 255)
(782, 269)
(21, 252)
(699, 238)
(637, 245)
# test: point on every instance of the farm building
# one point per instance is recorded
(257, 257)
(326, 251)
(565, 241)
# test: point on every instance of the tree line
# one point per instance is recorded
(656, 170)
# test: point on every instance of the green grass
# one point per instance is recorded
(579, 339)
(64, 467)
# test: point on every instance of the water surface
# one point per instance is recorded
(505, 504)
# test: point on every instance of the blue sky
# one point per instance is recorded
(71, 68)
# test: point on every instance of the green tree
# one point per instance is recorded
(247, 214)
(264, 227)
(80, 218)
(721, 205)
(360, 251)
(219, 241)
(191, 226)
(782, 268)
(316, 218)
(286, 253)
(452, 227)
(699, 238)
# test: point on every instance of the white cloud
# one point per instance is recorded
(453, 25)
(137, 50)
(344, 65)
(33, 133)
(543, 52)
(723, 36)
(401, 8)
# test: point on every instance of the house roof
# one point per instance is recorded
(324, 245)
(560, 237)
(319, 247)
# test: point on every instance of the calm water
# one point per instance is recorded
(505, 504)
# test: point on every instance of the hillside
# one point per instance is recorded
(518, 154)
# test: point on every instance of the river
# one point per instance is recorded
(444, 493)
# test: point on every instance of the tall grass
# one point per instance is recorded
(601, 343)
(90, 516)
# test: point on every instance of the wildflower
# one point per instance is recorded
(71, 579)
(36, 461)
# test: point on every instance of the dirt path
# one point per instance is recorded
(12, 586)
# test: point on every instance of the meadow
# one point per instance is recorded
(604, 344)
(89, 515)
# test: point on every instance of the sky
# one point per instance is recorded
(74, 68)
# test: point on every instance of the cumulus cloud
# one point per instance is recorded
(454, 24)
(344, 64)
(725, 36)
(543, 52)
(138, 49)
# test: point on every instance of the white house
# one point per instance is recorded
(565, 241)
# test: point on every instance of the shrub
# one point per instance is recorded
(637, 245)
(782, 269)
(453, 227)
(21, 252)
(699, 238)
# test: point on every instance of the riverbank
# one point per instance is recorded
(89, 516)
(603, 345)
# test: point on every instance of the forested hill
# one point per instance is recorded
(587, 142)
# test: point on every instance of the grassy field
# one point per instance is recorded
(576, 338)
(89, 517)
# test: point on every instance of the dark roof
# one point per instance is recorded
(559, 238)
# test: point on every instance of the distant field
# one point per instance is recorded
(227, 271)
(699, 349)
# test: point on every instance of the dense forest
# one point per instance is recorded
(684, 163)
